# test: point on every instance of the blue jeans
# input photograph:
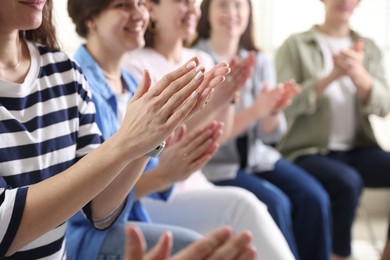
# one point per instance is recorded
(113, 245)
(343, 175)
(298, 204)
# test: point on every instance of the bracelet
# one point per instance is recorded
(156, 152)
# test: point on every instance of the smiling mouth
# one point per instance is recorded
(38, 5)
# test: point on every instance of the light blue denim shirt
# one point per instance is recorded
(83, 240)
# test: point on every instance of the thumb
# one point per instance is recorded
(143, 86)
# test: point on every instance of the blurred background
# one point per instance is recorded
(275, 21)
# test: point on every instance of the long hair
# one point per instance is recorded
(45, 33)
(247, 40)
(80, 11)
(149, 33)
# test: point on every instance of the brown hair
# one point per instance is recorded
(149, 33)
(247, 40)
(80, 11)
(45, 33)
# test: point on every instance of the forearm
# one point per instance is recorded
(150, 183)
(323, 83)
(53, 201)
(243, 119)
(270, 123)
(116, 192)
(363, 82)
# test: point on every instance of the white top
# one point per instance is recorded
(46, 125)
(147, 58)
(342, 96)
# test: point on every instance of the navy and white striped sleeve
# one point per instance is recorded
(12, 203)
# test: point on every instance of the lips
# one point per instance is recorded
(38, 5)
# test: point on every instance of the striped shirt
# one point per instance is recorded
(47, 124)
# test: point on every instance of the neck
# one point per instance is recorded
(334, 29)
(10, 52)
(108, 60)
(225, 48)
(170, 48)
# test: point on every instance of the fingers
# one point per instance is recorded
(175, 75)
(206, 246)
(233, 248)
(135, 244)
(198, 143)
(143, 86)
(162, 250)
(183, 111)
(248, 253)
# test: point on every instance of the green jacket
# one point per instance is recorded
(300, 58)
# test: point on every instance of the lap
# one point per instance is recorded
(113, 244)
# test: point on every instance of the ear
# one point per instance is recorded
(91, 24)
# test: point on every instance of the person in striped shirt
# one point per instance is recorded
(52, 159)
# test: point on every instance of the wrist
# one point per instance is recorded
(156, 152)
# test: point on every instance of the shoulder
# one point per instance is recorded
(52, 61)
(203, 56)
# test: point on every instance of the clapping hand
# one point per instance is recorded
(188, 152)
(153, 114)
(271, 101)
(219, 244)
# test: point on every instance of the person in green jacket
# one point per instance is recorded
(329, 133)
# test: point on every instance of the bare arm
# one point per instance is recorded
(58, 198)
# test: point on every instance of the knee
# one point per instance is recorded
(353, 185)
(280, 206)
(317, 197)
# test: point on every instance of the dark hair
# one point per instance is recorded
(80, 11)
(45, 33)
(149, 33)
(203, 28)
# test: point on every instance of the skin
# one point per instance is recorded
(96, 173)
(228, 21)
(346, 63)
(219, 244)
(180, 18)
(115, 31)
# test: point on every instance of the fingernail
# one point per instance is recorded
(191, 65)
(199, 68)
(198, 76)
(194, 94)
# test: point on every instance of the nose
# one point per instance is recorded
(138, 13)
(192, 6)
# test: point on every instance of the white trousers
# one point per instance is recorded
(210, 207)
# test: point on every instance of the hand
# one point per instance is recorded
(153, 114)
(272, 101)
(289, 90)
(350, 63)
(186, 153)
(235, 81)
(219, 244)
